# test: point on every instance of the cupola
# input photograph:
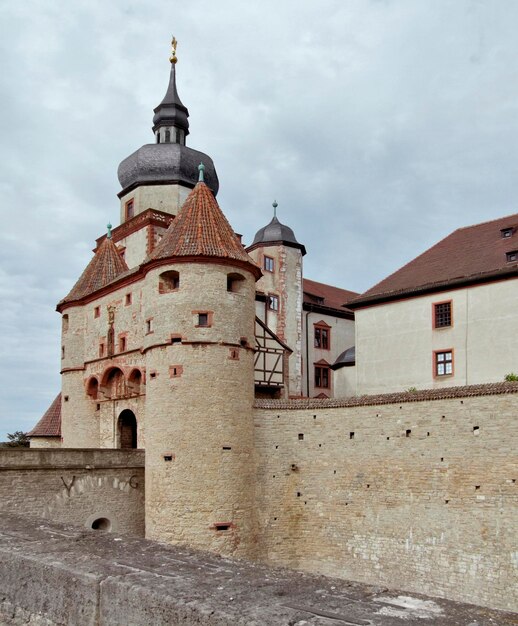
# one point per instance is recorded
(276, 233)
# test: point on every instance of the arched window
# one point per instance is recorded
(135, 382)
(92, 388)
(64, 323)
(127, 429)
(235, 282)
(168, 136)
(115, 385)
(168, 281)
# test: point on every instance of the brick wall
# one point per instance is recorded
(421, 495)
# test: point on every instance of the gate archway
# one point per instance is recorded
(127, 427)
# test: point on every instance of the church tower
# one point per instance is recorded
(198, 294)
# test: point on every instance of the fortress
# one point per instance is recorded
(274, 429)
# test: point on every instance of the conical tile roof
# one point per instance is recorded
(201, 230)
(50, 424)
(104, 267)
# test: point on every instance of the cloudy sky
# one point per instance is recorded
(378, 125)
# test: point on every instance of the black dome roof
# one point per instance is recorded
(275, 232)
(166, 163)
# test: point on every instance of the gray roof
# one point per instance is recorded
(166, 163)
(346, 359)
(275, 232)
(171, 111)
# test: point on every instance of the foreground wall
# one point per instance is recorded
(416, 490)
(54, 575)
(75, 486)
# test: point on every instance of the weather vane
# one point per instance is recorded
(173, 58)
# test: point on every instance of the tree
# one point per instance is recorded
(17, 439)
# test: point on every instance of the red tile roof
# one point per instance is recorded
(471, 254)
(105, 266)
(201, 230)
(50, 424)
(326, 295)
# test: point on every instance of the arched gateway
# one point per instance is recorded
(127, 429)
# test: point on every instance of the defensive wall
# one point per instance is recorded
(76, 486)
(415, 490)
(56, 575)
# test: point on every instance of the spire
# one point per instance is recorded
(105, 266)
(170, 123)
(201, 170)
(201, 230)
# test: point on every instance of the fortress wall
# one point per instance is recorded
(75, 486)
(421, 494)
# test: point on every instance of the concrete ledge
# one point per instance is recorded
(53, 575)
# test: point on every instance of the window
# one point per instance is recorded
(444, 363)
(273, 303)
(101, 349)
(507, 232)
(97, 311)
(322, 337)
(129, 209)
(168, 281)
(64, 323)
(62, 352)
(512, 256)
(322, 376)
(203, 319)
(442, 314)
(149, 326)
(122, 344)
(168, 136)
(268, 264)
(235, 282)
(127, 302)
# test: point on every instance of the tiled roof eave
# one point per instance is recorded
(446, 393)
(421, 290)
(344, 313)
(280, 242)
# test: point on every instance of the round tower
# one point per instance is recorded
(199, 292)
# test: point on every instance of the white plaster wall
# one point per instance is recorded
(395, 341)
(166, 198)
(136, 247)
(342, 337)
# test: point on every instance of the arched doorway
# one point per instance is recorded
(127, 427)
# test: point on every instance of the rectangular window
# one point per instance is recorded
(101, 350)
(129, 209)
(444, 363)
(122, 344)
(127, 301)
(149, 326)
(511, 256)
(322, 338)
(268, 264)
(322, 377)
(97, 311)
(203, 319)
(273, 303)
(442, 315)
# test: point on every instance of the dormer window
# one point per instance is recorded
(512, 256)
(507, 232)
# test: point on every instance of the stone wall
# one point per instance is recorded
(55, 575)
(75, 486)
(414, 490)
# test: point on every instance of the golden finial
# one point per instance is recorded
(173, 58)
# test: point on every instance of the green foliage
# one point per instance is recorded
(412, 389)
(17, 439)
(512, 377)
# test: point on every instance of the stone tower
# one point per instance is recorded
(198, 295)
(276, 250)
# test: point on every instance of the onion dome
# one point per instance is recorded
(276, 233)
(201, 230)
(169, 160)
(105, 266)
(50, 424)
